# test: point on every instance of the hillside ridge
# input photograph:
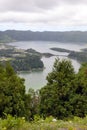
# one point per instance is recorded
(66, 36)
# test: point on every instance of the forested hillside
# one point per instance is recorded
(21, 60)
(71, 36)
(80, 56)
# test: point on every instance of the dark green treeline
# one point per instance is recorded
(64, 96)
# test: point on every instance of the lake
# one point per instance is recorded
(37, 79)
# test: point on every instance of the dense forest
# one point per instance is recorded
(64, 96)
(68, 36)
(80, 56)
(21, 60)
(27, 63)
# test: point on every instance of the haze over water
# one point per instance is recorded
(37, 79)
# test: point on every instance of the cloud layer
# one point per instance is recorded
(44, 12)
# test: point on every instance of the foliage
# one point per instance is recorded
(31, 104)
(13, 99)
(12, 92)
(55, 95)
(14, 123)
(27, 63)
(11, 122)
(21, 60)
(79, 97)
(79, 56)
(65, 94)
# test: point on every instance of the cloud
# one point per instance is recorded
(27, 5)
(47, 13)
(34, 5)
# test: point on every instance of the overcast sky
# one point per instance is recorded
(41, 15)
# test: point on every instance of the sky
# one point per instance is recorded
(43, 15)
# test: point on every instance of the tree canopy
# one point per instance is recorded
(64, 96)
(13, 98)
(65, 93)
(12, 91)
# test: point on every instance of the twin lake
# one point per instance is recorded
(37, 79)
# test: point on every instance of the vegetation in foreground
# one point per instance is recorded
(65, 94)
(13, 123)
(64, 98)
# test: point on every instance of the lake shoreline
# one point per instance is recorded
(37, 79)
(32, 70)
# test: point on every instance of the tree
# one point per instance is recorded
(12, 92)
(55, 96)
(79, 97)
(13, 99)
(32, 103)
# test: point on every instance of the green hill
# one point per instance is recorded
(68, 36)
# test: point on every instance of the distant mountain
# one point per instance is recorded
(68, 36)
